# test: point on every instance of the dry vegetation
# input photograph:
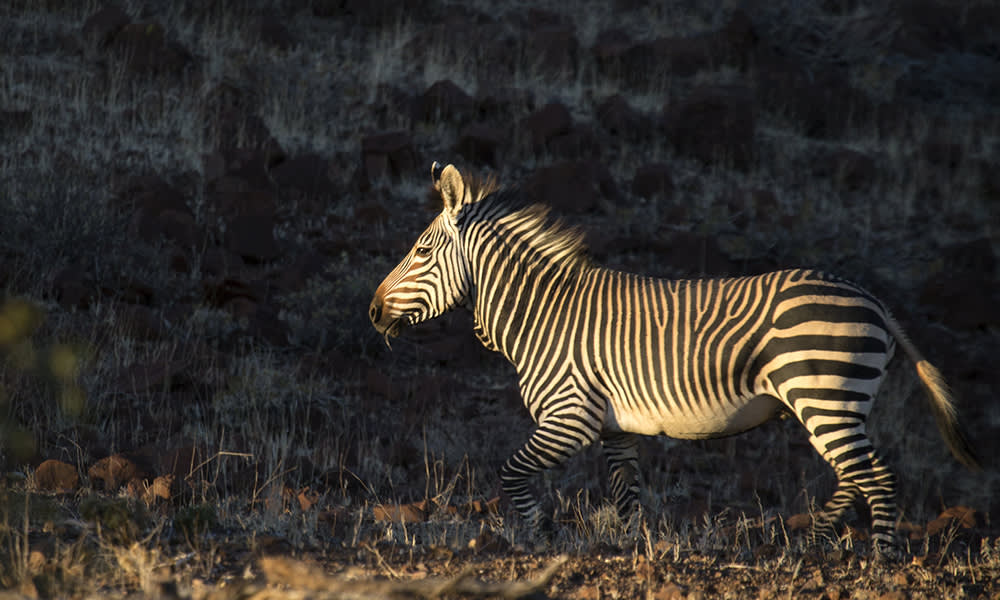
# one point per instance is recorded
(198, 202)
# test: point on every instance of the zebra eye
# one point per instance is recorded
(423, 250)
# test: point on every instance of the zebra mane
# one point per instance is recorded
(513, 215)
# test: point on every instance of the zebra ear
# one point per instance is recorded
(436, 170)
(448, 181)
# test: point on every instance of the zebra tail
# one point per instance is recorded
(942, 401)
(946, 416)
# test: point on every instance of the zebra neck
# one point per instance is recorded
(514, 296)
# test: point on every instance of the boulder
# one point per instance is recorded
(145, 49)
(715, 124)
(102, 26)
(252, 237)
(388, 154)
(653, 180)
(57, 476)
(444, 101)
(546, 123)
(572, 186)
(481, 143)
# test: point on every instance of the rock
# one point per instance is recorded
(151, 193)
(653, 180)
(114, 471)
(544, 124)
(308, 174)
(57, 476)
(179, 227)
(798, 522)
(246, 144)
(160, 211)
(15, 122)
(552, 50)
(143, 377)
(176, 226)
(965, 294)
(162, 488)
(219, 263)
(73, 288)
(388, 154)
(252, 237)
(714, 123)
(444, 101)
(925, 28)
(581, 141)
(219, 293)
(846, 168)
(821, 102)
(139, 322)
(182, 463)
(481, 143)
(669, 591)
(265, 324)
(274, 33)
(502, 104)
(296, 276)
(619, 119)
(956, 516)
(644, 63)
(379, 13)
(238, 198)
(572, 186)
(146, 50)
(142, 489)
(102, 26)
(414, 512)
(666, 57)
(307, 498)
(482, 507)
(611, 44)
(372, 213)
(942, 151)
(489, 543)
(248, 168)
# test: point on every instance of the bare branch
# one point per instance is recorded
(300, 576)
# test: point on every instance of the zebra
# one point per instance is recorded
(605, 355)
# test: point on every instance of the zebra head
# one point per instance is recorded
(434, 275)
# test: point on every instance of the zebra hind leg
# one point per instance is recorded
(825, 520)
(878, 485)
(860, 470)
(622, 453)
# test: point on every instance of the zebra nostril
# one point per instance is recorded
(375, 311)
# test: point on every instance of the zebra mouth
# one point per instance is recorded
(393, 330)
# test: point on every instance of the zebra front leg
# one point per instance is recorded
(622, 453)
(552, 443)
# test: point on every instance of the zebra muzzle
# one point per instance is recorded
(383, 323)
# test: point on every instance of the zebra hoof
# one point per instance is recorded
(545, 528)
(887, 553)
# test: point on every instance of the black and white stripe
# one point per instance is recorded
(604, 355)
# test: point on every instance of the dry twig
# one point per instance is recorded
(301, 576)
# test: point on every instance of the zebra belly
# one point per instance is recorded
(695, 422)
